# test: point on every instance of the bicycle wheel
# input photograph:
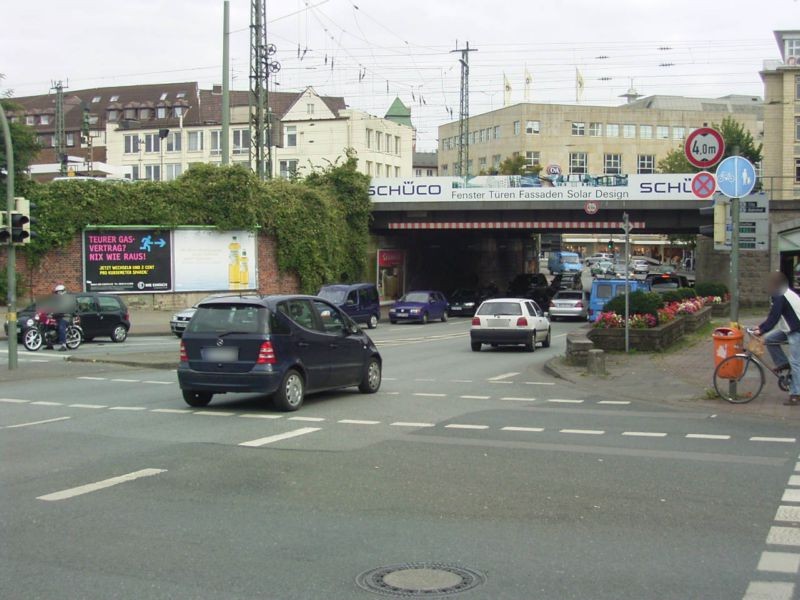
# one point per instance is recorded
(738, 379)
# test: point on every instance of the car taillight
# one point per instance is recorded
(522, 322)
(476, 321)
(266, 354)
(579, 304)
(126, 317)
(184, 356)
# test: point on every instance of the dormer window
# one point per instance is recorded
(114, 99)
(130, 113)
(792, 49)
(44, 119)
(163, 96)
(96, 99)
(113, 115)
(180, 95)
(30, 120)
(161, 112)
(144, 113)
(177, 111)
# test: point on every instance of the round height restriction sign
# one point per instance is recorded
(704, 147)
(591, 207)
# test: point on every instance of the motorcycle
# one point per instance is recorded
(42, 330)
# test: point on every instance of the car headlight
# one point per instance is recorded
(29, 323)
(414, 310)
(174, 317)
(469, 304)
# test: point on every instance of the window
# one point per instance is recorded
(152, 143)
(152, 172)
(369, 167)
(177, 111)
(70, 139)
(578, 163)
(378, 169)
(290, 136)
(532, 127)
(397, 145)
(429, 172)
(30, 120)
(797, 128)
(145, 113)
(497, 132)
(496, 161)
(645, 164)
(241, 141)
(418, 172)
(44, 119)
(172, 171)
(130, 113)
(161, 112)
(113, 98)
(194, 140)
(797, 87)
(481, 134)
(678, 133)
(96, 99)
(445, 170)
(532, 158)
(578, 128)
(470, 137)
(481, 163)
(131, 144)
(797, 170)
(397, 171)
(629, 131)
(113, 115)
(378, 140)
(174, 141)
(163, 96)
(330, 319)
(595, 129)
(180, 95)
(310, 109)
(612, 130)
(646, 132)
(216, 142)
(369, 138)
(662, 132)
(516, 127)
(612, 164)
(135, 172)
(469, 167)
(793, 48)
(288, 168)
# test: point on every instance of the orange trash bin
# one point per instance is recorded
(728, 342)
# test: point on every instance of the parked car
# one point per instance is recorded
(640, 266)
(663, 282)
(280, 346)
(359, 300)
(533, 286)
(599, 257)
(564, 262)
(101, 315)
(181, 319)
(569, 304)
(510, 322)
(604, 290)
(464, 302)
(602, 268)
(420, 307)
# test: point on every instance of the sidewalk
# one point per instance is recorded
(680, 377)
(143, 322)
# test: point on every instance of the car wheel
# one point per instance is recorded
(178, 334)
(197, 399)
(424, 318)
(393, 321)
(546, 342)
(373, 322)
(291, 393)
(444, 317)
(476, 346)
(530, 345)
(554, 318)
(372, 377)
(120, 334)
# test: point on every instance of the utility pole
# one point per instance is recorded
(463, 113)
(60, 135)
(11, 263)
(261, 66)
(225, 143)
(626, 227)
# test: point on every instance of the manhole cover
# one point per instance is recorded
(413, 580)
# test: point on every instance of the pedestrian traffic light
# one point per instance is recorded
(20, 222)
(5, 235)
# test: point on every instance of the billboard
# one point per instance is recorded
(211, 260)
(127, 260)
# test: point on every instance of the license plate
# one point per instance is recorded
(220, 354)
(497, 322)
(402, 315)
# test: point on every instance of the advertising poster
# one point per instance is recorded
(127, 260)
(209, 260)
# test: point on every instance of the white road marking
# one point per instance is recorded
(461, 381)
(791, 495)
(475, 397)
(429, 395)
(617, 402)
(37, 422)
(389, 393)
(410, 424)
(128, 408)
(357, 422)
(465, 426)
(279, 437)
(644, 434)
(784, 536)
(503, 376)
(261, 416)
(763, 590)
(311, 419)
(517, 399)
(88, 406)
(99, 485)
(583, 431)
(127, 380)
(797, 466)
(47, 403)
(794, 481)
(530, 429)
(424, 379)
(214, 413)
(565, 401)
(389, 378)
(158, 382)
(93, 378)
(779, 562)
(13, 401)
(506, 382)
(774, 439)
(707, 436)
(788, 513)
(539, 383)
(173, 411)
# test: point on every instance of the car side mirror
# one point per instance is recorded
(432, 300)
(352, 329)
(350, 302)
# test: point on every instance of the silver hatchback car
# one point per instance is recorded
(572, 304)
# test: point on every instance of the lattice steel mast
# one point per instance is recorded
(261, 66)
(463, 114)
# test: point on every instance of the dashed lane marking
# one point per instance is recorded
(357, 422)
(475, 397)
(310, 419)
(13, 401)
(564, 401)
(37, 422)
(503, 376)
(763, 590)
(279, 437)
(411, 424)
(707, 436)
(261, 416)
(773, 439)
(173, 411)
(429, 395)
(99, 485)
(92, 378)
(652, 434)
(461, 381)
(465, 426)
(130, 408)
(779, 562)
(47, 403)
(517, 399)
(213, 413)
(539, 383)
(615, 402)
(525, 429)
(88, 406)
(583, 431)
(498, 382)
(153, 382)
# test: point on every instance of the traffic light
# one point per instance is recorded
(21, 222)
(610, 244)
(5, 236)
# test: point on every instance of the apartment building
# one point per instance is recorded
(583, 139)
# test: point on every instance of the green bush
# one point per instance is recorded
(4, 287)
(671, 296)
(640, 303)
(710, 288)
(686, 293)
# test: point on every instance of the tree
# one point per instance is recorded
(23, 139)
(517, 165)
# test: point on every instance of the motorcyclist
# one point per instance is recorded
(61, 308)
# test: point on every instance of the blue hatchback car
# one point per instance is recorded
(419, 307)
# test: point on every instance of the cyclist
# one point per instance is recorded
(783, 325)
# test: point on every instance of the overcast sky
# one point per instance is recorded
(359, 49)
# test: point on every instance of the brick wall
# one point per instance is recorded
(64, 265)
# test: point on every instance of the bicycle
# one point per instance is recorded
(740, 378)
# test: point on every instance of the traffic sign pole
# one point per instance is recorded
(735, 218)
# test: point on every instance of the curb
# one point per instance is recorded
(124, 363)
(554, 369)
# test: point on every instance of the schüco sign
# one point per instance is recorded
(509, 189)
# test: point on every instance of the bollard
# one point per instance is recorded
(596, 362)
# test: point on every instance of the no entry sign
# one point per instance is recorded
(704, 184)
(591, 207)
(704, 147)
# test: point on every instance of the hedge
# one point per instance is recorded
(711, 288)
(639, 303)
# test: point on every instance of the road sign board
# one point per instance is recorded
(736, 176)
(704, 185)
(591, 207)
(704, 147)
(753, 224)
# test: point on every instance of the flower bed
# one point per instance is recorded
(651, 339)
(696, 320)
